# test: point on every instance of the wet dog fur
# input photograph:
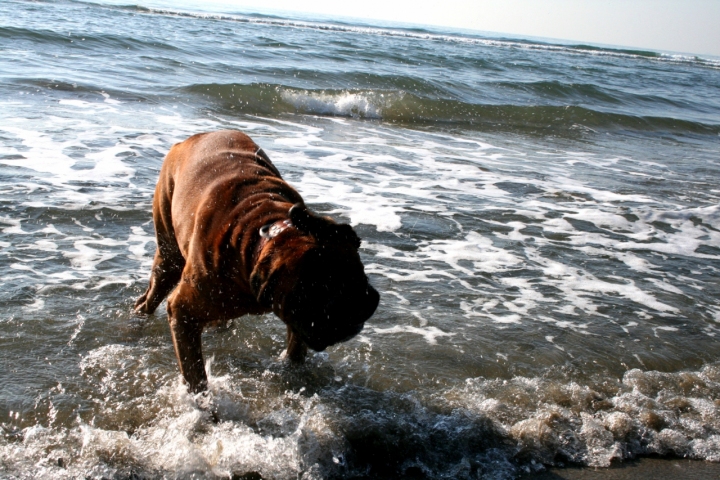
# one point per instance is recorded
(234, 238)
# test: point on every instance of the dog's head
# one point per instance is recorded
(312, 277)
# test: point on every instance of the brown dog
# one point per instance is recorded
(236, 239)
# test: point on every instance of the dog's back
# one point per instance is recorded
(211, 185)
(211, 179)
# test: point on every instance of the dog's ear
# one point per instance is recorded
(323, 229)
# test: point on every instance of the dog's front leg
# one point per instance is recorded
(296, 348)
(186, 335)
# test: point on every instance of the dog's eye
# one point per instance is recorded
(265, 231)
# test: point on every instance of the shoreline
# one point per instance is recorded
(644, 467)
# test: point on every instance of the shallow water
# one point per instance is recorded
(541, 221)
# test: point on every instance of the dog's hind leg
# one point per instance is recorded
(169, 262)
(164, 276)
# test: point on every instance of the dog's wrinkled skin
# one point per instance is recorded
(235, 238)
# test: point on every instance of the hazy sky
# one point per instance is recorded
(690, 26)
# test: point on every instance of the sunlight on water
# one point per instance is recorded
(546, 249)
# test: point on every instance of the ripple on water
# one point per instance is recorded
(538, 308)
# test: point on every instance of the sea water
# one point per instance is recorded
(540, 219)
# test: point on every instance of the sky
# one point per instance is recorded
(684, 26)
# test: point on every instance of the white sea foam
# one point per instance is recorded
(643, 406)
(183, 440)
(291, 433)
(381, 189)
(44, 156)
(36, 306)
(362, 203)
(14, 226)
(87, 258)
(509, 239)
(138, 241)
(430, 334)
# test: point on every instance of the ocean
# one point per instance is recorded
(540, 218)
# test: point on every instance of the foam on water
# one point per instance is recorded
(503, 268)
(270, 424)
(43, 155)
(646, 412)
(396, 189)
(388, 189)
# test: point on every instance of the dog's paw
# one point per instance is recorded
(141, 307)
(295, 358)
(146, 304)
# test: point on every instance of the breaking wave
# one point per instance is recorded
(403, 107)
(286, 423)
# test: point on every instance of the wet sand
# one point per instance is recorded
(653, 468)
